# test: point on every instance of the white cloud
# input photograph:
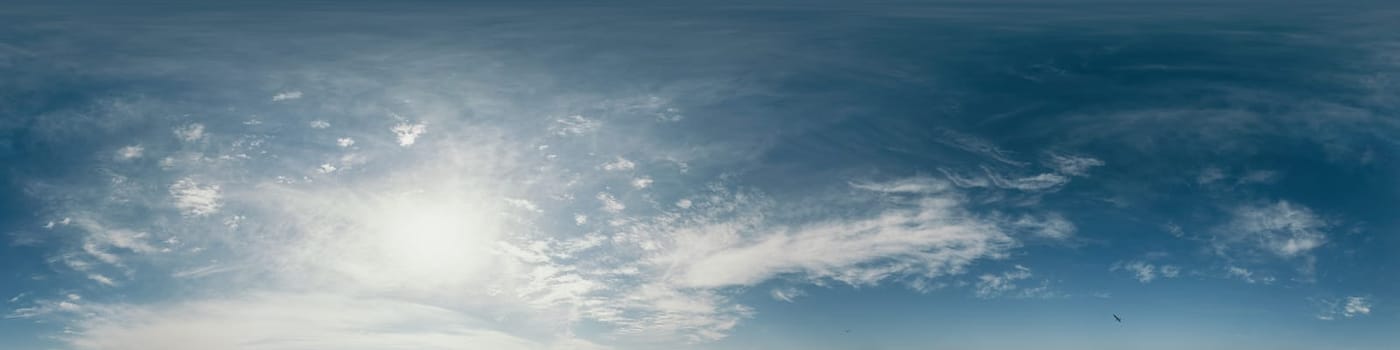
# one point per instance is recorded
(580, 219)
(291, 321)
(1349, 307)
(788, 294)
(1210, 175)
(407, 134)
(912, 185)
(975, 145)
(319, 124)
(620, 164)
(641, 182)
(1052, 225)
(1283, 229)
(130, 152)
(1073, 165)
(344, 142)
(195, 199)
(1040, 182)
(190, 133)
(325, 168)
(683, 203)
(286, 95)
(610, 203)
(574, 125)
(1005, 285)
(1246, 275)
(104, 280)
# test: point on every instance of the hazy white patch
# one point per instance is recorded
(130, 152)
(580, 219)
(788, 294)
(684, 204)
(1283, 229)
(912, 185)
(103, 280)
(407, 134)
(1246, 275)
(1348, 307)
(610, 203)
(574, 125)
(286, 321)
(325, 168)
(195, 199)
(190, 133)
(975, 145)
(1174, 229)
(641, 182)
(1210, 175)
(620, 164)
(1259, 177)
(344, 142)
(523, 204)
(286, 95)
(1040, 182)
(1169, 271)
(203, 271)
(319, 124)
(1073, 165)
(992, 286)
(1052, 225)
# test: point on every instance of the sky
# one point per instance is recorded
(699, 175)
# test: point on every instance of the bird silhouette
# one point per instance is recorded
(1115, 318)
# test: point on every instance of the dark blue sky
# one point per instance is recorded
(770, 175)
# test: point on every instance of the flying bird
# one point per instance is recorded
(1115, 318)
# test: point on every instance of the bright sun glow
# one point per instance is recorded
(427, 239)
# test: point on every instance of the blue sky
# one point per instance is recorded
(756, 175)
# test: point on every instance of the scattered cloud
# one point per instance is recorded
(195, 199)
(1283, 229)
(1006, 285)
(975, 145)
(190, 133)
(574, 125)
(286, 95)
(1349, 307)
(344, 142)
(641, 182)
(1073, 165)
(787, 294)
(130, 152)
(407, 134)
(620, 164)
(1040, 182)
(319, 124)
(610, 203)
(1145, 272)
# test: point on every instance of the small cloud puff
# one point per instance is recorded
(286, 95)
(408, 133)
(344, 142)
(620, 164)
(194, 199)
(130, 152)
(190, 133)
(319, 124)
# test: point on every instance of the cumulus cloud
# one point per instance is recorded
(130, 152)
(195, 199)
(641, 182)
(407, 134)
(1006, 285)
(1146, 272)
(1283, 229)
(286, 95)
(1349, 307)
(574, 125)
(620, 164)
(610, 203)
(345, 142)
(190, 133)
